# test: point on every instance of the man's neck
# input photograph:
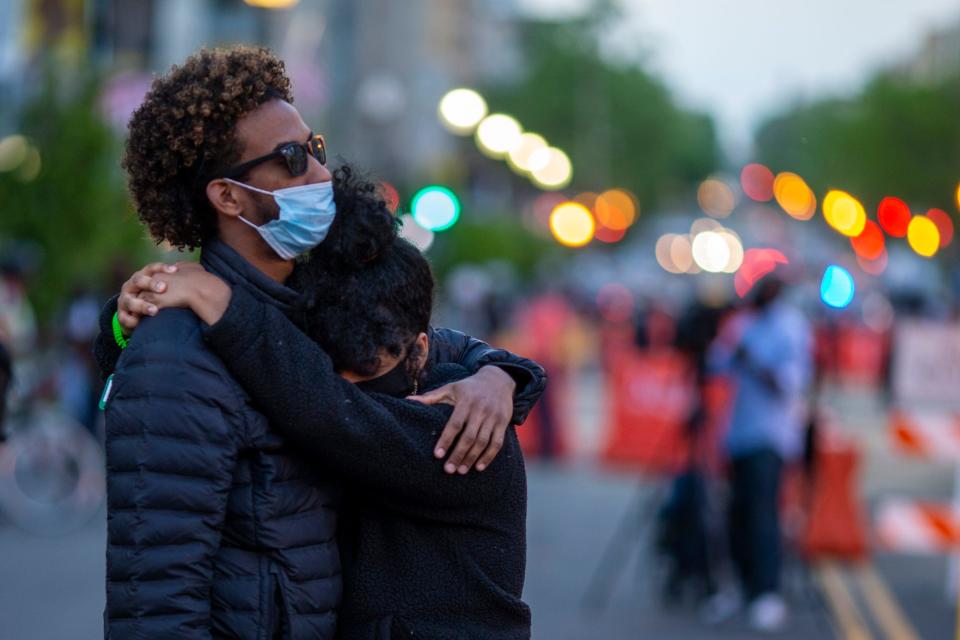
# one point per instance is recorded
(261, 256)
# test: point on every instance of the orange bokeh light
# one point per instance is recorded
(894, 216)
(615, 209)
(794, 196)
(757, 182)
(870, 244)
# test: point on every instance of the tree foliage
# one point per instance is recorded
(75, 210)
(620, 125)
(896, 137)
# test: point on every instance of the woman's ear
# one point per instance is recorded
(223, 197)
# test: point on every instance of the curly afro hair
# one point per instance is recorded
(185, 130)
(368, 289)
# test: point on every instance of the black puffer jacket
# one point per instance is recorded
(214, 529)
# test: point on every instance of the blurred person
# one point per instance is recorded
(18, 329)
(77, 375)
(216, 526)
(18, 323)
(685, 535)
(6, 378)
(766, 349)
(424, 555)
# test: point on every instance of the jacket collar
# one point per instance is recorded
(222, 260)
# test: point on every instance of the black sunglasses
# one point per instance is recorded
(294, 154)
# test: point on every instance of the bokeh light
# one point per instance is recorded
(497, 134)
(844, 213)
(616, 209)
(390, 196)
(30, 168)
(923, 236)
(894, 216)
(836, 287)
(662, 253)
(572, 224)
(461, 110)
(756, 264)
(735, 247)
(519, 155)
(435, 208)
(710, 251)
(552, 168)
(704, 224)
(716, 198)
(273, 4)
(681, 254)
(13, 151)
(609, 236)
(587, 199)
(944, 224)
(794, 196)
(543, 205)
(417, 235)
(756, 181)
(870, 243)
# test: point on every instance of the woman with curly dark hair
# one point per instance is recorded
(217, 527)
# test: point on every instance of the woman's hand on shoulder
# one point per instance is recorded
(131, 307)
(191, 286)
(185, 285)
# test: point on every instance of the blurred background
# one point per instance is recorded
(609, 187)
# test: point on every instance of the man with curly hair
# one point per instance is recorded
(216, 527)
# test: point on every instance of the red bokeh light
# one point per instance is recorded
(869, 245)
(390, 195)
(757, 182)
(609, 236)
(944, 225)
(894, 216)
(756, 264)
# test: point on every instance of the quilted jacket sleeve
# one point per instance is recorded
(449, 346)
(173, 423)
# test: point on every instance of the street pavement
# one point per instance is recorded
(52, 588)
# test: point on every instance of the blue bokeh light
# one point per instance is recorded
(837, 288)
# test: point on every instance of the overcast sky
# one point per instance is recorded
(742, 59)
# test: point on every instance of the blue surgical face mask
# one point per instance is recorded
(306, 213)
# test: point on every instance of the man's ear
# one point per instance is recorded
(223, 197)
(423, 348)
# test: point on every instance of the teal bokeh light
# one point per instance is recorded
(436, 208)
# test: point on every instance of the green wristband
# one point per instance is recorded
(118, 332)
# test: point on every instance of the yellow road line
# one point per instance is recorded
(841, 602)
(882, 603)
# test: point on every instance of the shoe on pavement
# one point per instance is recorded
(768, 613)
(721, 607)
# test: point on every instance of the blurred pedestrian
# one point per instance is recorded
(6, 377)
(766, 349)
